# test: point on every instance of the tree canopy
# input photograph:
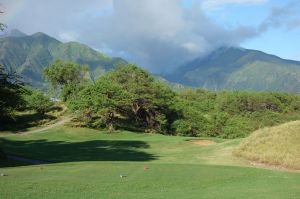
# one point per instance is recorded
(11, 93)
(127, 95)
(66, 76)
(61, 73)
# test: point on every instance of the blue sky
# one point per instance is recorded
(162, 34)
(278, 40)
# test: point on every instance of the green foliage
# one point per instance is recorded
(37, 101)
(192, 123)
(70, 90)
(218, 122)
(233, 114)
(240, 102)
(128, 94)
(202, 100)
(130, 97)
(100, 104)
(61, 73)
(11, 91)
(66, 77)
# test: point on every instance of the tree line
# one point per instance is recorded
(129, 97)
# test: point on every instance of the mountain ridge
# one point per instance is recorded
(226, 68)
(30, 54)
(234, 68)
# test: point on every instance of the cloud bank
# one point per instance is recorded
(287, 16)
(162, 35)
(156, 34)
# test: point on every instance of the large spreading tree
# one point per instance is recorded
(128, 95)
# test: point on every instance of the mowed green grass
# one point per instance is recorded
(88, 164)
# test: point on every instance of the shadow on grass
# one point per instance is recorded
(61, 151)
(23, 122)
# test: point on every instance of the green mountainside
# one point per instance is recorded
(239, 69)
(29, 55)
(225, 68)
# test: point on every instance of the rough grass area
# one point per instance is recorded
(277, 146)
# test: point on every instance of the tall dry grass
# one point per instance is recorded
(277, 146)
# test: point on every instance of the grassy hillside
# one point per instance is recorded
(29, 55)
(88, 164)
(241, 69)
(279, 146)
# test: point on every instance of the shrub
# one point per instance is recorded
(37, 101)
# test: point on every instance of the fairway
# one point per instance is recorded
(88, 163)
(129, 99)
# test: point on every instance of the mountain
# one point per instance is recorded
(239, 69)
(12, 33)
(29, 55)
(225, 68)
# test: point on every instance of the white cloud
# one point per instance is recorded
(157, 34)
(213, 4)
(161, 34)
(287, 16)
(68, 36)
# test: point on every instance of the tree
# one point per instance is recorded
(11, 93)
(65, 75)
(130, 94)
(151, 99)
(61, 73)
(100, 104)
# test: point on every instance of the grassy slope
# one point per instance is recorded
(89, 163)
(279, 146)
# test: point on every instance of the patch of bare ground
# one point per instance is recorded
(59, 122)
(203, 142)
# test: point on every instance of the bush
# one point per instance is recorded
(37, 101)
(231, 114)
(192, 123)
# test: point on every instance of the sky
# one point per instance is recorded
(162, 34)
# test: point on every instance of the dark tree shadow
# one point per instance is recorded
(22, 122)
(61, 151)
